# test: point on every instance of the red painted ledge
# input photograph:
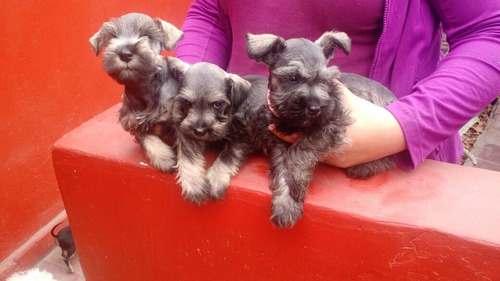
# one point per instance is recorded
(131, 223)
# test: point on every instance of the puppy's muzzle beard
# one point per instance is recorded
(205, 131)
(201, 133)
(127, 61)
(303, 115)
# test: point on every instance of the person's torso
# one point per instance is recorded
(361, 20)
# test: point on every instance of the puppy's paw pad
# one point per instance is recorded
(285, 213)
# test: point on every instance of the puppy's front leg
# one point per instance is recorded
(161, 155)
(285, 210)
(297, 167)
(226, 166)
(301, 159)
(191, 172)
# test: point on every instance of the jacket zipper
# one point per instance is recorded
(377, 47)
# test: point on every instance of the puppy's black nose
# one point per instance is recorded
(313, 110)
(126, 55)
(200, 132)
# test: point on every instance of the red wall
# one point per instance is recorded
(50, 82)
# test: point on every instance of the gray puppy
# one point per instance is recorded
(202, 112)
(132, 57)
(298, 96)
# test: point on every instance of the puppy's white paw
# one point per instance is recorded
(195, 191)
(161, 156)
(219, 176)
(285, 211)
(192, 177)
(219, 183)
(165, 163)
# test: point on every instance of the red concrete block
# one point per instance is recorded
(130, 221)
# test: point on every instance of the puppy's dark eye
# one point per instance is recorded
(185, 104)
(217, 104)
(112, 36)
(293, 79)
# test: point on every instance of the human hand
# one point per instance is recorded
(374, 134)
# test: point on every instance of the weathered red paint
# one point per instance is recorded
(50, 82)
(131, 223)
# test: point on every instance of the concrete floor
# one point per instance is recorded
(54, 264)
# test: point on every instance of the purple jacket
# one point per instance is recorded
(436, 96)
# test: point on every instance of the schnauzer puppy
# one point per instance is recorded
(64, 239)
(298, 96)
(202, 113)
(132, 57)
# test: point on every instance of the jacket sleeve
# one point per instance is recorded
(207, 34)
(464, 82)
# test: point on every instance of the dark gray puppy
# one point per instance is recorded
(202, 112)
(298, 96)
(132, 57)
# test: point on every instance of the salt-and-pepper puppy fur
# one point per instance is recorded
(202, 113)
(34, 274)
(64, 239)
(298, 96)
(132, 57)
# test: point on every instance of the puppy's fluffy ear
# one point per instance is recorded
(96, 42)
(238, 88)
(330, 39)
(177, 67)
(172, 34)
(101, 38)
(264, 47)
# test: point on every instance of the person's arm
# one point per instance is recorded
(439, 105)
(207, 34)
(465, 81)
(374, 134)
